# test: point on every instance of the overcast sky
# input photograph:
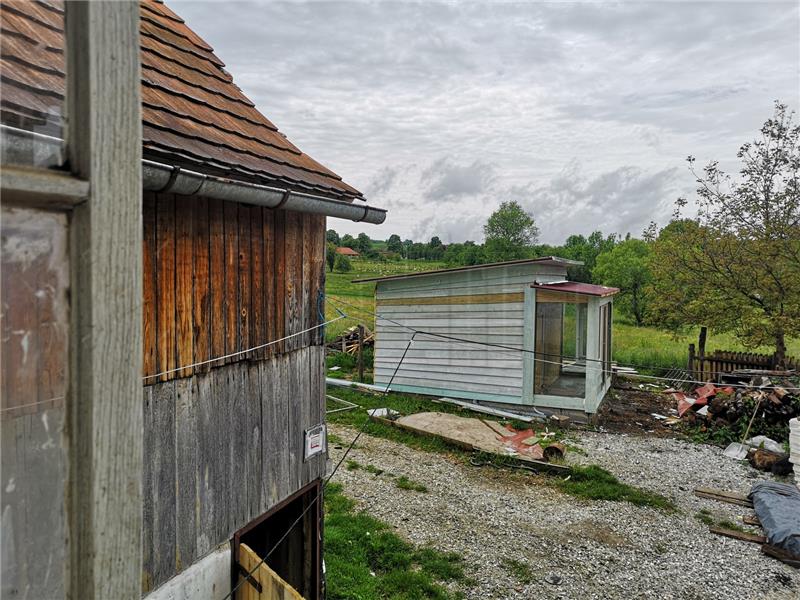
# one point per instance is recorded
(583, 112)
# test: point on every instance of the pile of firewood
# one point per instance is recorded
(348, 341)
(768, 401)
(777, 403)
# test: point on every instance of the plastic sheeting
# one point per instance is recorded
(778, 508)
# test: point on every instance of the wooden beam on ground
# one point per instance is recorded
(105, 426)
(738, 535)
(751, 520)
(781, 555)
(723, 496)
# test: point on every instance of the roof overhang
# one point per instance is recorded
(578, 288)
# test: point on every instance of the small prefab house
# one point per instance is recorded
(513, 334)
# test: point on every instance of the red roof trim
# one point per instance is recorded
(576, 287)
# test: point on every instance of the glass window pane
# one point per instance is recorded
(32, 96)
(560, 346)
(35, 323)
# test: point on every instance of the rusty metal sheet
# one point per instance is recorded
(575, 287)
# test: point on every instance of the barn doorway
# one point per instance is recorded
(295, 558)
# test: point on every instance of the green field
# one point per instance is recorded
(632, 345)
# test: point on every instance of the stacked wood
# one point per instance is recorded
(348, 342)
(779, 403)
(769, 401)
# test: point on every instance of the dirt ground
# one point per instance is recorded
(629, 408)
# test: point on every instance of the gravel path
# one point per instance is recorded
(598, 549)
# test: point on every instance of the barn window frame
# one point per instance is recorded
(100, 190)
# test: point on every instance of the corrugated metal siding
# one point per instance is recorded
(456, 368)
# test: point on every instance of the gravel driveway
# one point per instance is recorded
(593, 549)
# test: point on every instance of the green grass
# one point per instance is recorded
(706, 517)
(404, 483)
(632, 345)
(518, 570)
(339, 286)
(595, 483)
(591, 482)
(650, 346)
(376, 471)
(365, 560)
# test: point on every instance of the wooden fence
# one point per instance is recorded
(706, 367)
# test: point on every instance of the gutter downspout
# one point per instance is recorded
(158, 177)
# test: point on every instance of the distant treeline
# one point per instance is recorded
(576, 247)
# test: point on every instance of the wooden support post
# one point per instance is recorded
(105, 432)
(701, 350)
(691, 365)
(361, 353)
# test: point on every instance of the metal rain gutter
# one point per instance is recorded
(158, 177)
(18, 146)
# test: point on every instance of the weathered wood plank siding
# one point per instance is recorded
(484, 306)
(222, 448)
(224, 440)
(220, 278)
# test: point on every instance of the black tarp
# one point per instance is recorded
(778, 508)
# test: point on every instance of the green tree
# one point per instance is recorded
(736, 266)
(435, 242)
(627, 267)
(586, 250)
(363, 244)
(333, 237)
(348, 241)
(330, 254)
(510, 233)
(342, 264)
(394, 244)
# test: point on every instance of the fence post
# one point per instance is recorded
(690, 366)
(361, 353)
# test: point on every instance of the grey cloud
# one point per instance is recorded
(517, 90)
(446, 180)
(621, 201)
(382, 181)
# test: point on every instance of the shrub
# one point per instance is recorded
(342, 264)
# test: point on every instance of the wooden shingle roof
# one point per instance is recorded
(193, 114)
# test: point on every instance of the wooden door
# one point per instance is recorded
(264, 583)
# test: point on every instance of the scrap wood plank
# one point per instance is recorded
(751, 520)
(738, 535)
(466, 445)
(723, 496)
(781, 555)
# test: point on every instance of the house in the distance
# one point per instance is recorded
(348, 252)
(514, 335)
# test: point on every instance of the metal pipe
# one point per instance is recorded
(19, 146)
(159, 177)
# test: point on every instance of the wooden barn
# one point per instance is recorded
(162, 306)
(513, 335)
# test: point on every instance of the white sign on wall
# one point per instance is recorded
(316, 441)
